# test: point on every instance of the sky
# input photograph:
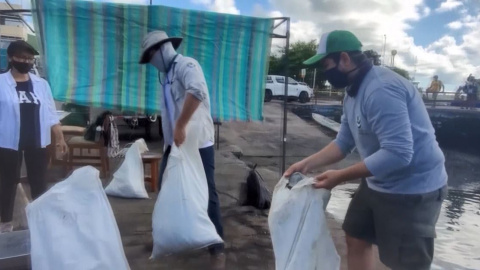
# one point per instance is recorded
(432, 37)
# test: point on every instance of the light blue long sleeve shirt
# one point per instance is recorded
(388, 123)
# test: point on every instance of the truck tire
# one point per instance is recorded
(303, 97)
(268, 95)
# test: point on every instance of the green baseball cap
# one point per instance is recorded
(335, 41)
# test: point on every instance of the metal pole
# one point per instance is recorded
(314, 80)
(314, 77)
(284, 136)
(415, 70)
(384, 47)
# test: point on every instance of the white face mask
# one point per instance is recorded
(158, 61)
(163, 57)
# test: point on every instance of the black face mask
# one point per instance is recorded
(338, 79)
(22, 67)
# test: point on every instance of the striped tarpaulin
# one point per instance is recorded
(92, 51)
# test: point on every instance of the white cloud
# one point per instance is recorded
(202, 2)
(455, 25)
(27, 3)
(426, 11)
(225, 6)
(221, 6)
(452, 59)
(300, 30)
(259, 11)
(133, 2)
(449, 5)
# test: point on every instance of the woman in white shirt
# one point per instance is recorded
(27, 118)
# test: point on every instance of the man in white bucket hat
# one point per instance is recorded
(185, 97)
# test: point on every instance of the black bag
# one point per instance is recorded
(90, 133)
(255, 191)
(91, 130)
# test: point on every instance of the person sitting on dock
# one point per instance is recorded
(471, 89)
(435, 87)
(403, 173)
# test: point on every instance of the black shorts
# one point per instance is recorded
(403, 226)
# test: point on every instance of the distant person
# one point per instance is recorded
(471, 89)
(27, 117)
(182, 101)
(403, 174)
(435, 87)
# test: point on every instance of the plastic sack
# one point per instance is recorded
(128, 180)
(72, 226)
(298, 227)
(180, 217)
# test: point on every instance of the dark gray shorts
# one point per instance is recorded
(403, 226)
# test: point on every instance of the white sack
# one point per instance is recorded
(72, 226)
(180, 217)
(128, 180)
(298, 227)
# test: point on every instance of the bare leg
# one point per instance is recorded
(360, 254)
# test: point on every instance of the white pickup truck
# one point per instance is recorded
(275, 88)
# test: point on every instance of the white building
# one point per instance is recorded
(11, 28)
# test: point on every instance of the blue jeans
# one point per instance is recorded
(208, 160)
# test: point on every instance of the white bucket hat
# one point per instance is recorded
(156, 38)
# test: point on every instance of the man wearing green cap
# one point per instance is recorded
(403, 174)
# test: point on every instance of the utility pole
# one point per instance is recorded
(314, 77)
(384, 47)
(414, 69)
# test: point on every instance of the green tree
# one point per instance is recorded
(299, 52)
(275, 66)
(374, 56)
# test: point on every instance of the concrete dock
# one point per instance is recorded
(248, 244)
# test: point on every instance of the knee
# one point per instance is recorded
(357, 245)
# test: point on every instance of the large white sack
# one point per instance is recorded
(128, 180)
(298, 227)
(72, 226)
(180, 217)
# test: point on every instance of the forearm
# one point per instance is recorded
(190, 106)
(329, 155)
(354, 172)
(57, 132)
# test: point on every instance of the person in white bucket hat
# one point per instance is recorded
(402, 169)
(185, 96)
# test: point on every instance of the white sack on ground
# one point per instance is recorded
(180, 217)
(128, 180)
(298, 227)
(72, 226)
